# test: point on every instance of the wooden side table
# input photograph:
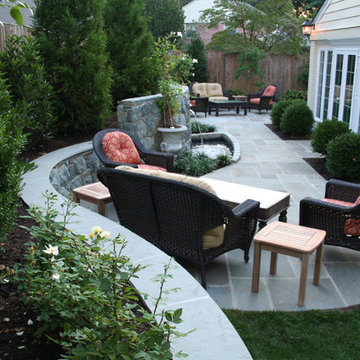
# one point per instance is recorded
(96, 193)
(293, 240)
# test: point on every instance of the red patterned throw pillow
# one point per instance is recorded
(119, 147)
(352, 226)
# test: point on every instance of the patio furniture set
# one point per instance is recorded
(206, 97)
(198, 219)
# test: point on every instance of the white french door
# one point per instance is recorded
(336, 86)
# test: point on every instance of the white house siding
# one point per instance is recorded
(337, 29)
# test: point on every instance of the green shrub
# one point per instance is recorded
(343, 156)
(278, 111)
(12, 142)
(236, 92)
(297, 119)
(223, 160)
(326, 131)
(25, 73)
(194, 165)
(293, 94)
(67, 277)
(204, 128)
(72, 44)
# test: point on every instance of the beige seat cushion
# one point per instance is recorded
(218, 98)
(211, 238)
(200, 88)
(214, 89)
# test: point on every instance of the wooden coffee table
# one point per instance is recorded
(292, 240)
(228, 105)
(96, 193)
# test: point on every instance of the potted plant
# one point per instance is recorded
(174, 69)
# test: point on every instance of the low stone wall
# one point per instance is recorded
(75, 171)
(141, 117)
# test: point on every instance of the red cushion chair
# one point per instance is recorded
(264, 99)
(338, 214)
(116, 147)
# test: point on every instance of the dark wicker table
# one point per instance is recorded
(229, 104)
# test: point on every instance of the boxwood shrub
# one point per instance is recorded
(343, 156)
(326, 131)
(279, 108)
(297, 119)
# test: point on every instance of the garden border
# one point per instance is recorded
(214, 336)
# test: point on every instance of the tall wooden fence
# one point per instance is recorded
(10, 29)
(282, 70)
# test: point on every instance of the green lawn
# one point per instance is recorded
(302, 335)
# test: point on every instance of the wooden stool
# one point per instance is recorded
(96, 193)
(292, 240)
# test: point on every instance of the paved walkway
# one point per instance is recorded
(271, 163)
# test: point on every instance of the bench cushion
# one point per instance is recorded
(211, 238)
(119, 147)
(200, 88)
(214, 89)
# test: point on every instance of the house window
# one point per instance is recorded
(337, 86)
(350, 76)
(336, 83)
(320, 87)
(327, 85)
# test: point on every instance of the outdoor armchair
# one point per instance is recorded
(116, 147)
(338, 214)
(182, 219)
(264, 99)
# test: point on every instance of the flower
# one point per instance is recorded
(56, 277)
(179, 34)
(104, 234)
(96, 230)
(52, 250)
(91, 235)
(195, 61)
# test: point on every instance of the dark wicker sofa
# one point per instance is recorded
(332, 217)
(173, 215)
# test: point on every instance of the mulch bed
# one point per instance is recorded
(282, 136)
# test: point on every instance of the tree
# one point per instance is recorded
(129, 45)
(25, 75)
(253, 29)
(72, 43)
(307, 7)
(165, 16)
(196, 50)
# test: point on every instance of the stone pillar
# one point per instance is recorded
(140, 116)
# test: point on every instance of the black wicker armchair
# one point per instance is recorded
(153, 158)
(174, 215)
(340, 221)
(264, 99)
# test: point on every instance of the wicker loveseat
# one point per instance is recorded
(212, 91)
(338, 214)
(184, 220)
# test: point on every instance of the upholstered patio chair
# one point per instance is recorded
(264, 99)
(199, 104)
(338, 214)
(116, 147)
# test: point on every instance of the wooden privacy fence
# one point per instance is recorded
(282, 70)
(10, 29)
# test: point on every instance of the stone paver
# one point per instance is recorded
(271, 163)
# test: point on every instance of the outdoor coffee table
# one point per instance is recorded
(229, 104)
(272, 203)
(96, 193)
(292, 240)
